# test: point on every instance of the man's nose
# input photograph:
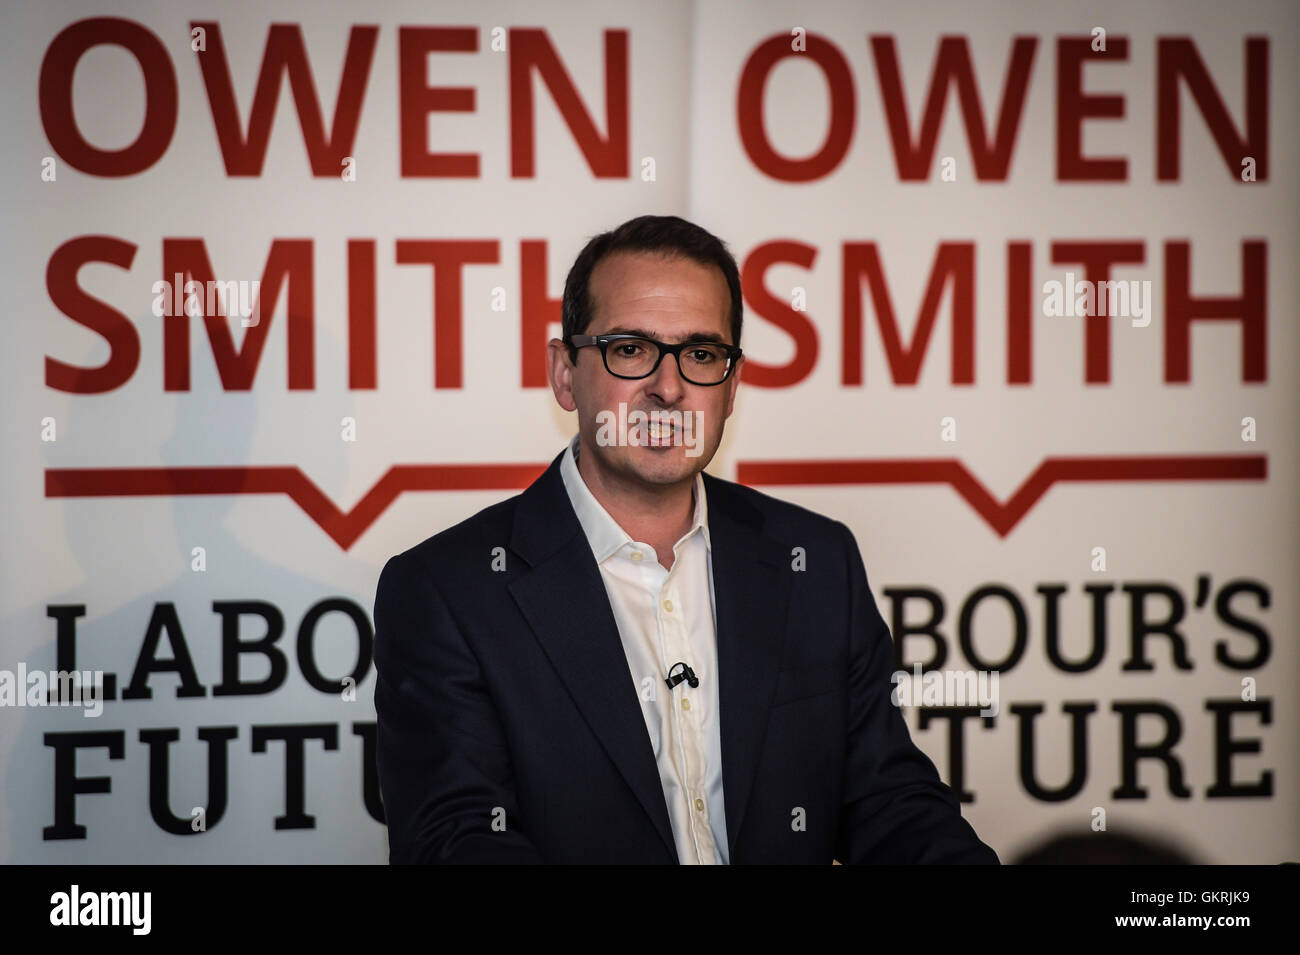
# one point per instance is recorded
(667, 383)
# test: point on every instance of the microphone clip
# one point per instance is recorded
(686, 674)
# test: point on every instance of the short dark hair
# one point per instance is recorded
(668, 236)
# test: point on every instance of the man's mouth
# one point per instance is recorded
(659, 434)
(656, 428)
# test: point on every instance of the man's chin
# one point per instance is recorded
(663, 466)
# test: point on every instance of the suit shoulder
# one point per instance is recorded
(780, 518)
(489, 527)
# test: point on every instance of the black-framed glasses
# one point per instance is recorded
(632, 357)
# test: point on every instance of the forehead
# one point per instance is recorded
(669, 295)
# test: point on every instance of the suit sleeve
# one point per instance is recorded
(896, 809)
(443, 761)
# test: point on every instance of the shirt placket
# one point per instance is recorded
(686, 715)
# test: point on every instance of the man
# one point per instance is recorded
(634, 661)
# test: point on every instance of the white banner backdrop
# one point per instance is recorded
(1100, 507)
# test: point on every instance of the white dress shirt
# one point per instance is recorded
(663, 617)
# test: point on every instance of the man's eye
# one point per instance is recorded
(628, 350)
(702, 356)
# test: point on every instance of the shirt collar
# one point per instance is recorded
(603, 532)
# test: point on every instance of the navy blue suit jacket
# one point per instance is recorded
(510, 728)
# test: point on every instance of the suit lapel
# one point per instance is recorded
(751, 582)
(563, 599)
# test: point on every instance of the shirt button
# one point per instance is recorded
(686, 704)
(668, 605)
(636, 555)
(699, 804)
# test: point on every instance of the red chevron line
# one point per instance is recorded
(1004, 517)
(345, 527)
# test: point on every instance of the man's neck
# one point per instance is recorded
(659, 516)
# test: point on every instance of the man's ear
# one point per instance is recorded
(732, 384)
(560, 371)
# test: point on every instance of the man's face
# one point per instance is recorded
(669, 300)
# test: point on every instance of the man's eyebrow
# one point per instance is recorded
(646, 333)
